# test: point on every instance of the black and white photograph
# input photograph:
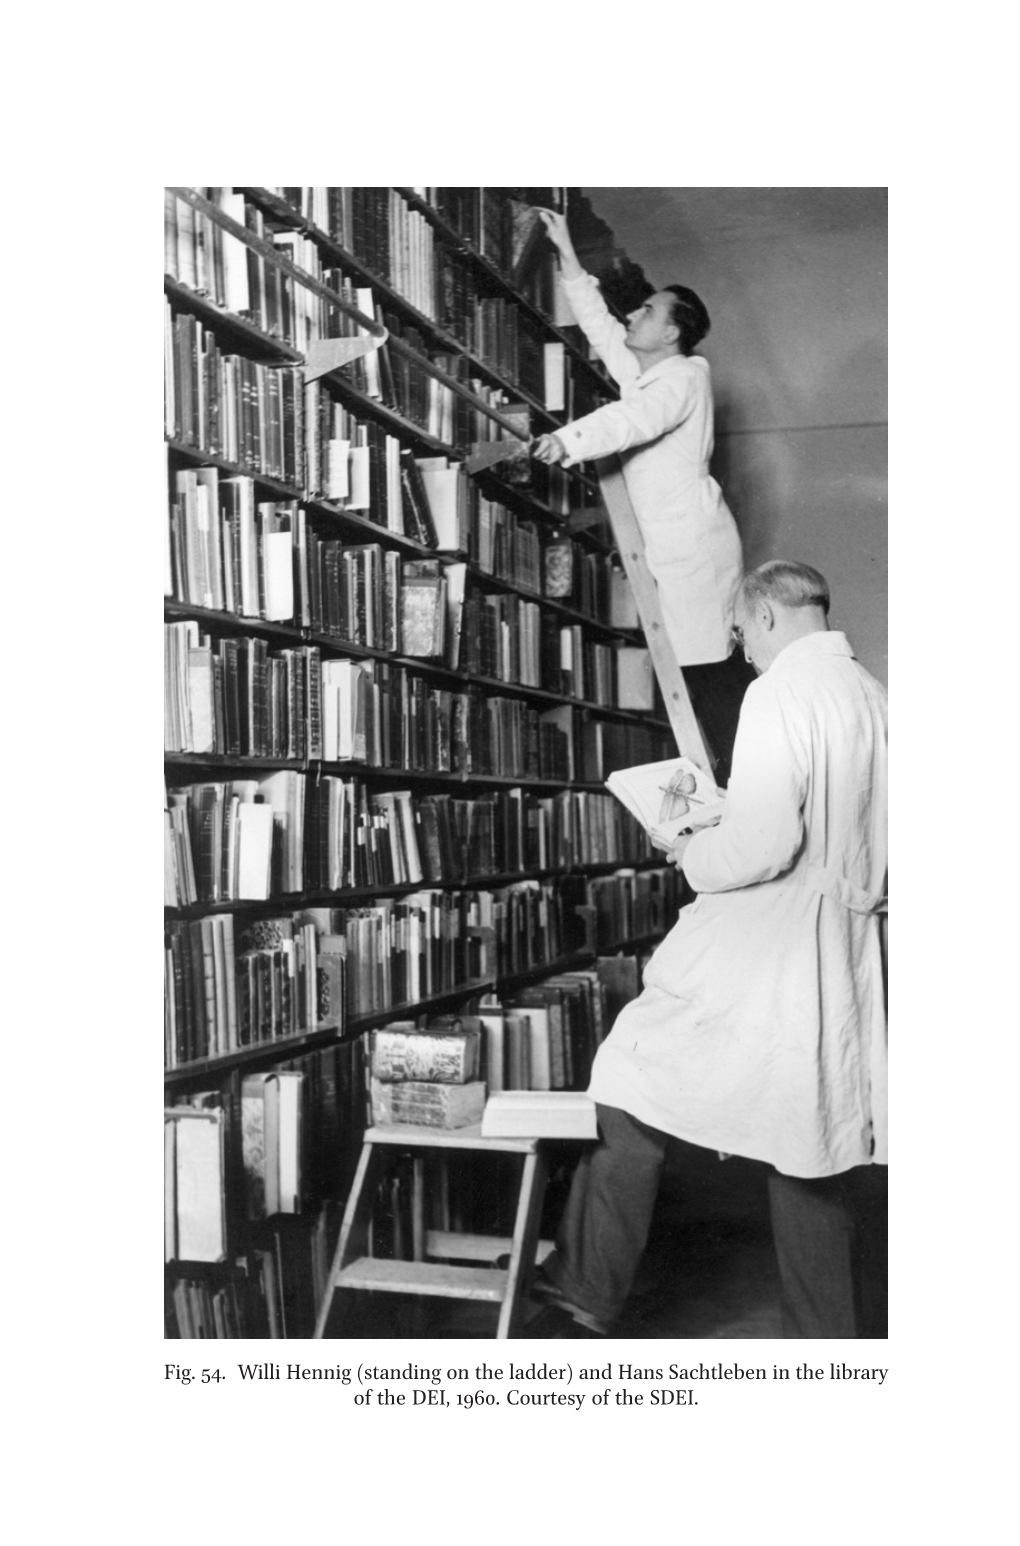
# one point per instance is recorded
(526, 821)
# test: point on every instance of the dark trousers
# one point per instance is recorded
(829, 1235)
(716, 693)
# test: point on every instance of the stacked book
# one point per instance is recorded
(427, 1078)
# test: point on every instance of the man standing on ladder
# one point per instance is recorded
(662, 429)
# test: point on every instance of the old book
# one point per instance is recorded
(450, 1057)
(558, 561)
(418, 522)
(555, 377)
(539, 1114)
(445, 490)
(623, 611)
(420, 1104)
(668, 797)
(200, 1229)
(271, 1142)
(423, 610)
(494, 1029)
(635, 679)
(331, 975)
(456, 585)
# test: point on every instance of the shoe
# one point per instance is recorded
(545, 1292)
(555, 1324)
(542, 1286)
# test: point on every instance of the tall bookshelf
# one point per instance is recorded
(428, 808)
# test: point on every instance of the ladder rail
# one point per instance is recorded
(631, 544)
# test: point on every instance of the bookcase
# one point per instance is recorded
(392, 695)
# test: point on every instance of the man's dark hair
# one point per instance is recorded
(690, 316)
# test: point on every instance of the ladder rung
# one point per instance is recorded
(422, 1277)
(461, 1247)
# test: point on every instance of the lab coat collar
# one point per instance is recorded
(670, 363)
(824, 642)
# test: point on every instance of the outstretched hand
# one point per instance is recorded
(556, 226)
(549, 449)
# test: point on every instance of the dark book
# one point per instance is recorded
(418, 522)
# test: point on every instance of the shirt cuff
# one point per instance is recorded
(575, 441)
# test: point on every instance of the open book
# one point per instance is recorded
(669, 797)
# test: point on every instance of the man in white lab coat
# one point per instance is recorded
(761, 1028)
(662, 428)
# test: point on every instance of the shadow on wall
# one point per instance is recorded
(815, 492)
(753, 477)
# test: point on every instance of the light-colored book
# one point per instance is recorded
(669, 797)
(635, 682)
(198, 1185)
(539, 1114)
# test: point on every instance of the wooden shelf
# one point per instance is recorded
(276, 350)
(354, 895)
(280, 210)
(289, 1046)
(205, 458)
(486, 266)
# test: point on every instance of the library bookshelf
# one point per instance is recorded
(391, 703)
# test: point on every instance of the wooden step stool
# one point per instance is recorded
(352, 1268)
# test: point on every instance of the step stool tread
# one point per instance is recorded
(421, 1277)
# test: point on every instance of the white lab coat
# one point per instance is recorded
(761, 1028)
(662, 429)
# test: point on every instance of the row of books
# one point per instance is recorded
(542, 1037)
(383, 716)
(251, 413)
(234, 697)
(285, 977)
(240, 698)
(223, 403)
(261, 417)
(274, 1144)
(633, 905)
(379, 227)
(351, 837)
(204, 256)
(213, 262)
(421, 608)
(501, 223)
(307, 972)
(313, 969)
(229, 551)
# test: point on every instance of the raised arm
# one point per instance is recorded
(644, 416)
(603, 331)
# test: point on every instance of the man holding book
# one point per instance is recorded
(662, 429)
(761, 1028)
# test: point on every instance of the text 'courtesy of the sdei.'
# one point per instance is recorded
(524, 1386)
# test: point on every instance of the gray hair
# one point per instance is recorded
(786, 583)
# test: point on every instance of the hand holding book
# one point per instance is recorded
(669, 799)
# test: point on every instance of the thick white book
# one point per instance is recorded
(539, 1114)
(669, 797)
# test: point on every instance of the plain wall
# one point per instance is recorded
(795, 283)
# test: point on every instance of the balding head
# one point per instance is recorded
(778, 602)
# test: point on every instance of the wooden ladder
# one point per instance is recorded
(437, 1268)
(689, 739)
